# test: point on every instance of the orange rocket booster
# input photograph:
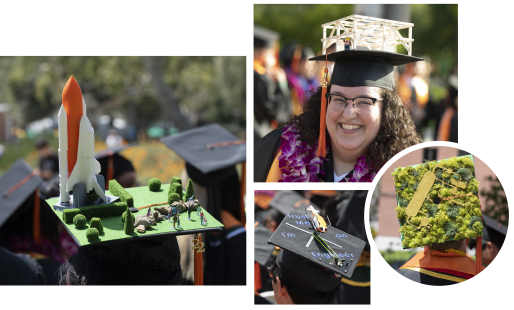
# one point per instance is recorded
(72, 102)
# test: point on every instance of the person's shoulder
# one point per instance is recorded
(265, 151)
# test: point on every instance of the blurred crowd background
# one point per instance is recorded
(129, 99)
(285, 36)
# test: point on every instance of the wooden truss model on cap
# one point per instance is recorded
(373, 33)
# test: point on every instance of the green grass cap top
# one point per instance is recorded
(437, 202)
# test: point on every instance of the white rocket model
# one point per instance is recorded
(83, 165)
(63, 154)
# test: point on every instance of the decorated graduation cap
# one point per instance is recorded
(112, 163)
(367, 59)
(438, 202)
(315, 259)
(129, 225)
(18, 185)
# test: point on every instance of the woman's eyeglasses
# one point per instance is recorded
(361, 105)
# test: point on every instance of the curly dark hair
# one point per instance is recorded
(397, 130)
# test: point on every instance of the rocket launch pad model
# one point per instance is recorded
(78, 167)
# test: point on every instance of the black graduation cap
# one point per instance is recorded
(208, 148)
(287, 201)
(119, 163)
(211, 153)
(309, 258)
(351, 216)
(361, 67)
(17, 184)
(493, 231)
(263, 37)
(263, 250)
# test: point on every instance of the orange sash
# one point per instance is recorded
(437, 260)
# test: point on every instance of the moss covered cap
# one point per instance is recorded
(438, 202)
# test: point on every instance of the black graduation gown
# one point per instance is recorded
(264, 155)
(271, 102)
(425, 278)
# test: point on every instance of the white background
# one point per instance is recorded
(225, 28)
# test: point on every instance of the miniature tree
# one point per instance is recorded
(154, 184)
(92, 234)
(175, 193)
(97, 223)
(128, 226)
(176, 180)
(79, 220)
(190, 191)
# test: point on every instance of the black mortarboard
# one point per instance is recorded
(119, 163)
(351, 216)
(16, 185)
(354, 68)
(308, 258)
(287, 201)
(263, 250)
(211, 153)
(208, 148)
(493, 231)
(263, 37)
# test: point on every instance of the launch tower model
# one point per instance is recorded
(78, 168)
(368, 32)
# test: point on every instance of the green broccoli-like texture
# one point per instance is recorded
(190, 191)
(96, 222)
(448, 220)
(79, 220)
(92, 234)
(154, 184)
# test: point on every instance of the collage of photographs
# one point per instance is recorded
(164, 170)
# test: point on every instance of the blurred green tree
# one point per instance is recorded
(185, 90)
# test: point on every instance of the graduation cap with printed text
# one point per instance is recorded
(315, 260)
(369, 61)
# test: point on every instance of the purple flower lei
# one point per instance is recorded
(299, 163)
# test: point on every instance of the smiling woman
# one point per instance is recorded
(364, 120)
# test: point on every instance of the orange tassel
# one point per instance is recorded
(479, 255)
(322, 145)
(257, 281)
(242, 199)
(198, 261)
(35, 220)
